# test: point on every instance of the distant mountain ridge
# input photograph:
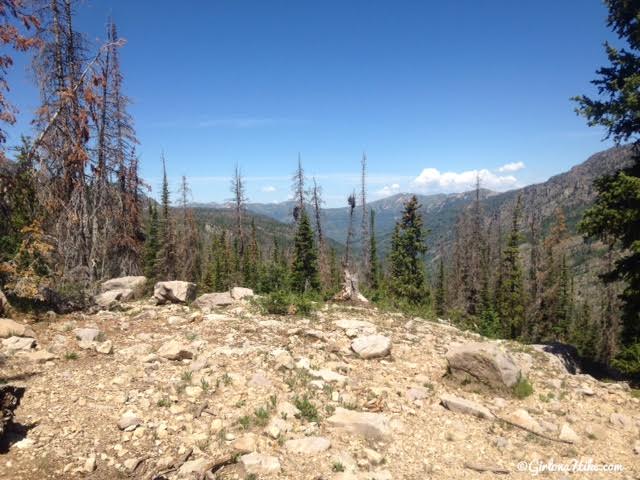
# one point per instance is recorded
(572, 191)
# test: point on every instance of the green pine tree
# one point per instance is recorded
(374, 262)
(407, 277)
(151, 245)
(440, 291)
(615, 216)
(304, 270)
(511, 296)
(166, 258)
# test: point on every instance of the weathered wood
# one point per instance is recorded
(10, 397)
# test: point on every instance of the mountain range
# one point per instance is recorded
(572, 191)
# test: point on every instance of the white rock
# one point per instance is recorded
(245, 444)
(105, 347)
(175, 291)
(308, 445)
(40, 356)
(259, 464)
(87, 334)
(111, 298)
(368, 424)
(129, 283)
(371, 346)
(9, 328)
(90, 464)
(198, 466)
(329, 376)
(568, 435)
(174, 350)
(461, 405)
(238, 293)
(522, 418)
(15, 344)
(213, 300)
(620, 420)
(128, 419)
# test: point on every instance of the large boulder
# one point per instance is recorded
(238, 293)
(371, 346)
(111, 298)
(16, 344)
(10, 328)
(213, 300)
(484, 363)
(175, 291)
(125, 283)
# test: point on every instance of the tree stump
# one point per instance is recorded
(350, 291)
(9, 400)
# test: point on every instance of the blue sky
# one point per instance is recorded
(431, 91)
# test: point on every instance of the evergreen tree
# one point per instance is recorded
(151, 245)
(304, 270)
(166, 259)
(440, 294)
(615, 216)
(374, 262)
(275, 277)
(511, 296)
(407, 277)
(251, 260)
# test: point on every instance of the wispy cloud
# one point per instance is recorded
(388, 190)
(511, 167)
(268, 189)
(432, 179)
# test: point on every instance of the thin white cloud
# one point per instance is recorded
(268, 189)
(388, 190)
(432, 179)
(511, 167)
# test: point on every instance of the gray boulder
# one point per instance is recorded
(238, 293)
(175, 291)
(213, 300)
(372, 346)
(124, 283)
(484, 363)
(16, 344)
(111, 298)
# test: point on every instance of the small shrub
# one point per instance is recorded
(71, 356)
(204, 385)
(285, 303)
(307, 409)
(164, 402)
(523, 388)
(262, 416)
(245, 421)
(186, 376)
(338, 467)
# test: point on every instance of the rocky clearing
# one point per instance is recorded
(175, 391)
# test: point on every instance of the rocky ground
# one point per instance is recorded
(177, 392)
